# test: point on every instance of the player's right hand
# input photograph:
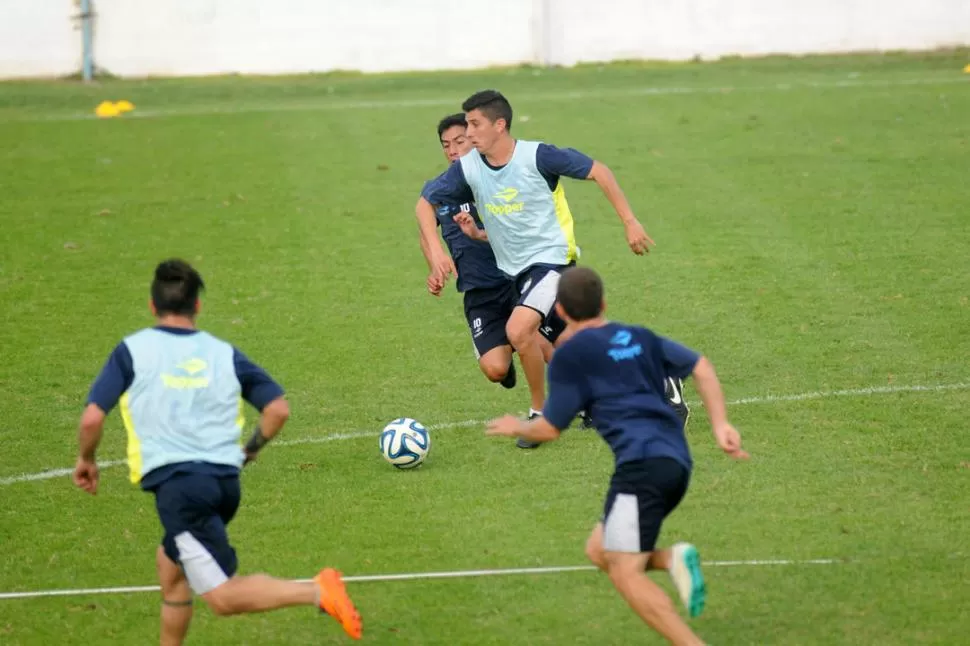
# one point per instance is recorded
(637, 238)
(729, 440)
(86, 475)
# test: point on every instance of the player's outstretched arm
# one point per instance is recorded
(536, 430)
(709, 388)
(636, 237)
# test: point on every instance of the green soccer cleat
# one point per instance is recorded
(685, 570)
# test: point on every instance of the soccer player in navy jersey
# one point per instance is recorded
(617, 372)
(180, 392)
(489, 295)
(518, 189)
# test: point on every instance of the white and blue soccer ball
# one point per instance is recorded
(405, 443)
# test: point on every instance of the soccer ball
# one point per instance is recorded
(405, 443)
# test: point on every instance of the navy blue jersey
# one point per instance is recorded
(616, 373)
(551, 162)
(474, 259)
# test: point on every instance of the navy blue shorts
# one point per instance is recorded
(642, 493)
(536, 288)
(195, 509)
(487, 310)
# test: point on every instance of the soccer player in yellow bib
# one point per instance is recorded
(517, 187)
(181, 391)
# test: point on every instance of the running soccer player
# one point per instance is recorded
(489, 295)
(179, 389)
(617, 372)
(517, 187)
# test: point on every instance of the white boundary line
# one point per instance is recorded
(355, 435)
(414, 576)
(564, 95)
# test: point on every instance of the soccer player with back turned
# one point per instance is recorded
(617, 373)
(180, 391)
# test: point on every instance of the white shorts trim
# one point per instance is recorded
(621, 529)
(201, 568)
(542, 296)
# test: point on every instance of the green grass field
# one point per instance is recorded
(813, 235)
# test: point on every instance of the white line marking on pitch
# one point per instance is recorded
(563, 95)
(413, 576)
(355, 435)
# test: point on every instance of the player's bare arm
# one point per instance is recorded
(536, 430)
(709, 388)
(439, 262)
(89, 434)
(271, 421)
(434, 283)
(636, 236)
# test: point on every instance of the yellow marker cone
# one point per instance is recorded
(124, 106)
(967, 68)
(106, 110)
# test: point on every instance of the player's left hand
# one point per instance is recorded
(509, 425)
(637, 238)
(443, 266)
(86, 475)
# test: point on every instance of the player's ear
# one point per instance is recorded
(603, 307)
(198, 306)
(151, 308)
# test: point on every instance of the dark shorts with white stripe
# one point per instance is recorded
(195, 509)
(642, 493)
(537, 287)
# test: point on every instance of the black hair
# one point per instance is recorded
(451, 121)
(175, 288)
(581, 293)
(492, 104)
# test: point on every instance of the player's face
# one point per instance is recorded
(482, 132)
(454, 143)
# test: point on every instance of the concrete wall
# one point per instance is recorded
(197, 37)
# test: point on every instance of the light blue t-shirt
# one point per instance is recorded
(522, 204)
(181, 396)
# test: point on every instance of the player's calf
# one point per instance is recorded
(647, 599)
(521, 332)
(176, 613)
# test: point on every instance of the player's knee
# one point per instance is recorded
(219, 603)
(494, 371)
(520, 335)
(595, 555)
(622, 570)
